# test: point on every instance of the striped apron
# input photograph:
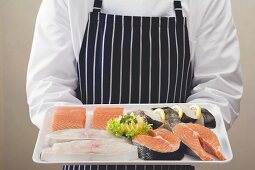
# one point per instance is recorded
(134, 59)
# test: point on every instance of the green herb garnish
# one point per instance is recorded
(128, 126)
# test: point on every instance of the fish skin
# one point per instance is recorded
(159, 144)
(172, 118)
(148, 154)
(209, 119)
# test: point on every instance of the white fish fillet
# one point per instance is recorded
(68, 135)
(90, 150)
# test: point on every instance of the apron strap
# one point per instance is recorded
(97, 6)
(178, 9)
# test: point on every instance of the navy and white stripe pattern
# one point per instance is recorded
(133, 59)
(127, 167)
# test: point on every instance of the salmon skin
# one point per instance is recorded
(68, 118)
(172, 118)
(209, 119)
(160, 144)
(201, 140)
(103, 114)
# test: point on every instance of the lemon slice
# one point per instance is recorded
(179, 110)
(161, 113)
(197, 109)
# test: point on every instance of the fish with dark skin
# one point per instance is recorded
(182, 114)
(160, 144)
(209, 119)
(155, 123)
(172, 118)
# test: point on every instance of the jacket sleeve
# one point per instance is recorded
(52, 75)
(217, 75)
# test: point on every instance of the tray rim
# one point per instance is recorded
(138, 162)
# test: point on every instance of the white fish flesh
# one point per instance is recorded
(79, 134)
(90, 150)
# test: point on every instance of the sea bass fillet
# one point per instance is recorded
(90, 150)
(79, 134)
(200, 140)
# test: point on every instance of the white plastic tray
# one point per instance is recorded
(187, 160)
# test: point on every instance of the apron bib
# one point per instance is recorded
(134, 59)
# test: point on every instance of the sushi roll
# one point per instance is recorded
(160, 144)
(149, 117)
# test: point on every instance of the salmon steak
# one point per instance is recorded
(68, 118)
(102, 115)
(172, 139)
(160, 144)
(208, 140)
(201, 140)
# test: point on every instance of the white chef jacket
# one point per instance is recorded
(60, 26)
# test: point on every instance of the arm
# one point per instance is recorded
(52, 74)
(217, 75)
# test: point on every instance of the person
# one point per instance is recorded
(146, 51)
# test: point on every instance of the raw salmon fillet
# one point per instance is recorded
(173, 140)
(103, 114)
(154, 143)
(208, 140)
(159, 140)
(200, 140)
(159, 144)
(68, 118)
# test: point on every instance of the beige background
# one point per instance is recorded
(17, 133)
(1, 89)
